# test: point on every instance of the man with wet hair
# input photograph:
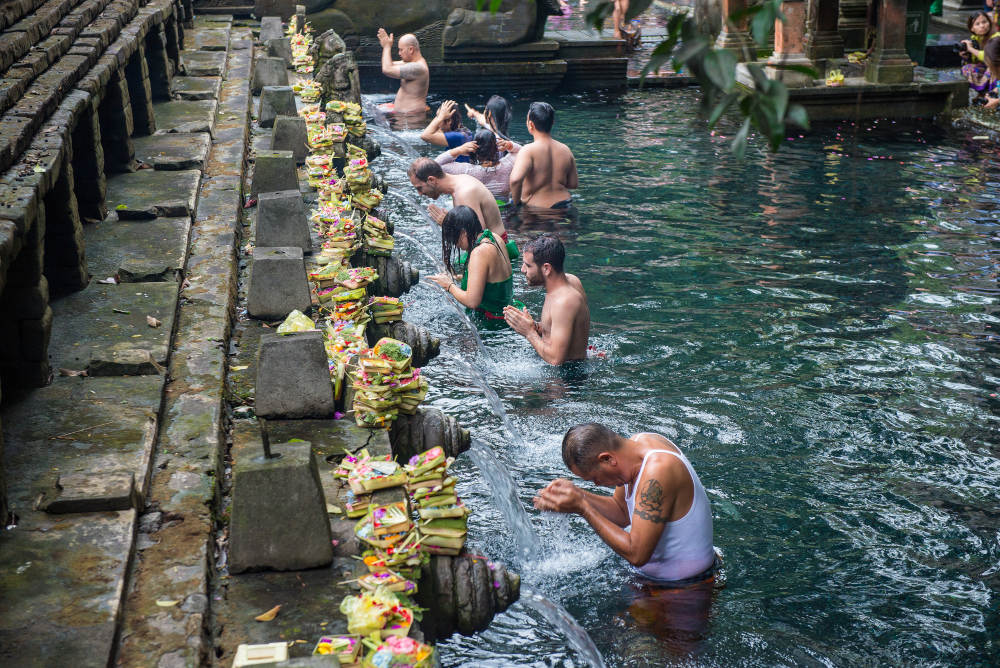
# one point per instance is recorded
(411, 70)
(545, 170)
(430, 180)
(562, 333)
(658, 498)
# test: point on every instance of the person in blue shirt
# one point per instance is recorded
(446, 128)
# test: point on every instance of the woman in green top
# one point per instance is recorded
(487, 281)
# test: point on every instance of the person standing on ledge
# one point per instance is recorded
(545, 170)
(657, 496)
(412, 71)
(561, 334)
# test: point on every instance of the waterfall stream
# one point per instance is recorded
(556, 615)
(504, 492)
(503, 489)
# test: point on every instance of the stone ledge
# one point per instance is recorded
(177, 558)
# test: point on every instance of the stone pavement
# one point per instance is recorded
(130, 587)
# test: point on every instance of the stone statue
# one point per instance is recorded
(335, 69)
(517, 21)
(516, 25)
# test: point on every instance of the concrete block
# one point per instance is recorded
(293, 377)
(282, 221)
(269, 72)
(270, 28)
(278, 283)
(289, 134)
(92, 492)
(279, 520)
(274, 171)
(280, 47)
(275, 101)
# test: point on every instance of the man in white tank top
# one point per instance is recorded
(659, 518)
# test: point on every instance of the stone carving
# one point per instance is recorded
(412, 434)
(516, 21)
(425, 346)
(395, 276)
(335, 69)
(514, 24)
(464, 593)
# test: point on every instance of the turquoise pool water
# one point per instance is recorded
(816, 329)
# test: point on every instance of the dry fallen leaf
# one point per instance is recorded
(152, 322)
(167, 604)
(269, 615)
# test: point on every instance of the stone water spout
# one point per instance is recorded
(372, 148)
(395, 276)
(428, 427)
(464, 594)
(425, 346)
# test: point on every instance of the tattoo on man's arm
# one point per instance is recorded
(650, 506)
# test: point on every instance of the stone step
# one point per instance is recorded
(151, 193)
(64, 575)
(174, 152)
(207, 39)
(126, 248)
(203, 63)
(106, 326)
(185, 116)
(196, 88)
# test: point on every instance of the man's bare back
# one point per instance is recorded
(549, 172)
(470, 192)
(569, 304)
(413, 84)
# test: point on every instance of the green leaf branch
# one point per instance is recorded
(763, 106)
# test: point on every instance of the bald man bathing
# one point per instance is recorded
(412, 72)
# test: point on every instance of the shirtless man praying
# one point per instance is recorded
(430, 180)
(562, 333)
(412, 72)
(545, 170)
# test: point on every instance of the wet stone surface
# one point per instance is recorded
(79, 425)
(175, 151)
(46, 556)
(203, 63)
(196, 88)
(103, 319)
(151, 193)
(185, 116)
(156, 244)
(207, 39)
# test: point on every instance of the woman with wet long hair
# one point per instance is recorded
(487, 281)
(485, 162)
(496, 116)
